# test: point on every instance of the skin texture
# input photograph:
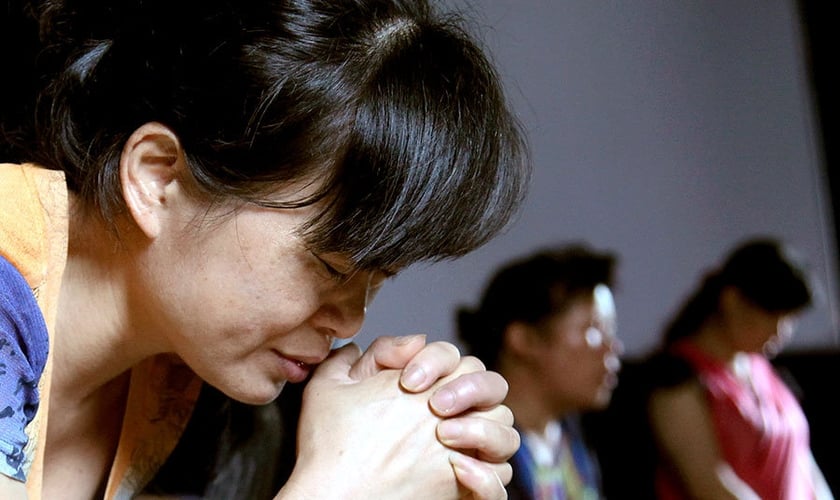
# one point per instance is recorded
(235, 292)
(398, 441)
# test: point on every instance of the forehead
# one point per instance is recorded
(599, 298)
(586, 314)
(595, 307)
(594, 304)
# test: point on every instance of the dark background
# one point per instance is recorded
(820, 34)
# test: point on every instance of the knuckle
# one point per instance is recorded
(446, 348)
(507, 415)
(515, 439)
(473, 363)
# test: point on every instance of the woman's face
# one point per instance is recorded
(754, 329)
(244, 302)
(579, 361)
(763, 331)
(785, 325)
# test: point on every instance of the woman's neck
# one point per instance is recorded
(529, 405)
(716, 340)
(93, 342)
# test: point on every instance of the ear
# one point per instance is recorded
(150, 163)
(519, 339)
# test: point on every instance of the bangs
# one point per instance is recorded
(435, 163)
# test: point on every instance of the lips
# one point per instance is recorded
(611, 380)
(296, 368)
(293, 370)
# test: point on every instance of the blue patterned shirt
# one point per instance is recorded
(24, 344)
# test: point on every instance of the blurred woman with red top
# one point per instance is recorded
(731, 428)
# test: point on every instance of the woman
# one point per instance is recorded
(547, 323)
(229, 184)
(729, 427)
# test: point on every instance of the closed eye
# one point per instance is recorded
(334, 273)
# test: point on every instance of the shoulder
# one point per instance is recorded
(33, 218)
(20, 315)
(24, 341)
(679, 419)
(24, 344)
(682, 397)
(666, 369)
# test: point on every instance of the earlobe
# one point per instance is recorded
(149, 169)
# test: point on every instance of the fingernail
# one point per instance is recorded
(443, 400)
(414, 378)
(407, 339)
(449, 430)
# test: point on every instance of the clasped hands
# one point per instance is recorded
(404, 419)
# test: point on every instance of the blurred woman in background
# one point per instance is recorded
(726, 424)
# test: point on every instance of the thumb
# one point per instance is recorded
(338, 364)
(387, 352)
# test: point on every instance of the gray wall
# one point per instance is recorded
(664, 131)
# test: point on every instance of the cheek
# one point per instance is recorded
(577, 365)
(573, 344)
(563, 362)
(234, 298)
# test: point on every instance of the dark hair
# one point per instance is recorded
(391, 107)
(531, 289)
(763, 269)
(18, 51)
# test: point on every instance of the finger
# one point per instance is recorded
(338, 364)
(476, 390)
(483, 438)
(434, 361)
(501, 414)
(387, 352)
(485, 481)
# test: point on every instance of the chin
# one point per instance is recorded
(601, 400)
(254, 394)
(771, 349)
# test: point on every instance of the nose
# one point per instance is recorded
(598, 337)
(342, 312)
(785, 327)
(341, 320)
(606, 342)
(612, 358)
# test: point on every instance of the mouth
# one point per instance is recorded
(296, 368)
(611, 379)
